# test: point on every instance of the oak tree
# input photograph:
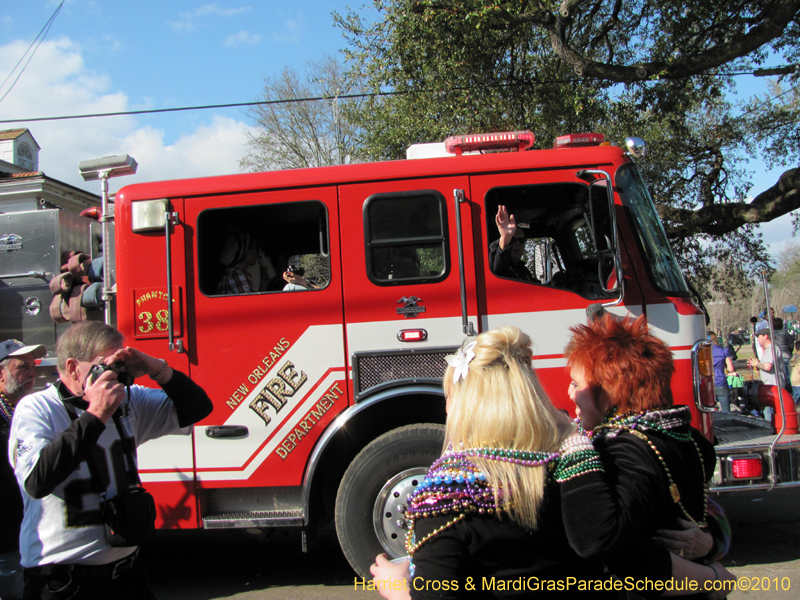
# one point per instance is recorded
(665, 70)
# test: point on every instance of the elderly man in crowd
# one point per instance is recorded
(16, 380)
(73, 448)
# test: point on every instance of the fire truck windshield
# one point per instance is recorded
(661, 263)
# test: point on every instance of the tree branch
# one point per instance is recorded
(719, 219)
(771, 26)
(708, 180)
(610, 23)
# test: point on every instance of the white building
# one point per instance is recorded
(24, 187)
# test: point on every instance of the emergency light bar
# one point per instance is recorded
(504, 140)
(576, 140)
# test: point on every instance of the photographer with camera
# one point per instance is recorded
(295, 280)
(73, 446)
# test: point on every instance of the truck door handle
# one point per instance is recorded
(226, 431)
(171, 218)
(466, 326)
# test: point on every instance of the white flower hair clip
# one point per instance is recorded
(460, 361)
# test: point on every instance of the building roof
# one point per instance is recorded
(12, 134)
(40, 190)
(22, 175)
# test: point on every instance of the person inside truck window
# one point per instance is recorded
(295, 282)
(644, 470)
(239, 252)
(505, 254)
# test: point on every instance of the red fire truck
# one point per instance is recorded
(328, 400)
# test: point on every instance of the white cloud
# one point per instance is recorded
(213, 9)
(187, 21)
(293, 30)
(58, 82)
(242, 39)
(778, 234)
(213, 148)
(114, 44)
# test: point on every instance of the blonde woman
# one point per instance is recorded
(488, 513)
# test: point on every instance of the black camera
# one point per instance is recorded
(300, 271)
(119, 368)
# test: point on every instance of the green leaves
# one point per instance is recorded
(657, 69)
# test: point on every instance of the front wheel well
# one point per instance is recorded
(367, 425)
(375, 490)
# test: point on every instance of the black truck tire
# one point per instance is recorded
(373, 492)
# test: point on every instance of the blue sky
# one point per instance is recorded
(106, 56)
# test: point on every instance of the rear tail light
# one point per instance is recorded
(703, 376)
(707, 396)
(747, 467)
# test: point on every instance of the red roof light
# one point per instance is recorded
(576, 140)
(504, 140)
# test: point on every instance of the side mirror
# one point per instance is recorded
(597, 213)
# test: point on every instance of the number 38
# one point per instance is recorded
(146, 318)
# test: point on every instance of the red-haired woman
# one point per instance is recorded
(653, 466)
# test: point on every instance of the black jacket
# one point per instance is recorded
(614, 514)
(10, 499)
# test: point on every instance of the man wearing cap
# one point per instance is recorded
(16, 381)
(768, 362)
(73, 448)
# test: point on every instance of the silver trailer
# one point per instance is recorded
(31, 248)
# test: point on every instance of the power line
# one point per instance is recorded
(769, 100)
(265, 102)
(203, 107)
(43, 33)
(308, 99)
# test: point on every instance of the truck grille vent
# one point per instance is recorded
(372, 370)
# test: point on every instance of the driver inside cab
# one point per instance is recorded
(505, 254)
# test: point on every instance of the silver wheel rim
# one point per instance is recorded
(387, 516)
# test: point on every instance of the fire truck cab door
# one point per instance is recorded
(551, 273)
(269, 353)
(402, 278)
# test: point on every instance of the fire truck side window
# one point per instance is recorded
(248, 249)
(405, 238)
(559, 250)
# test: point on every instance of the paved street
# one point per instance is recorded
(766, 528)
(223, 564)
